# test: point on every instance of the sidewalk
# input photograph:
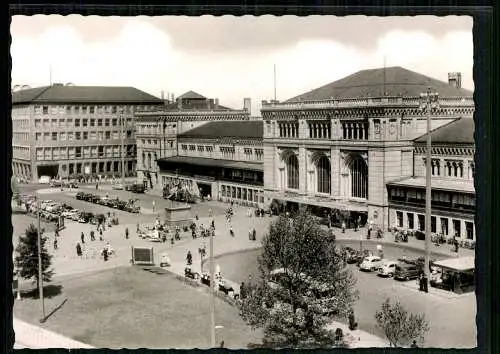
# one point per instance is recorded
(34, 337)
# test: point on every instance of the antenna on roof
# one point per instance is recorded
(275, 82)
(385, 92)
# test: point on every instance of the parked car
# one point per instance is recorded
(406, 271)
(388, 268)
(56, 183)
(118, 186)
(360, 256)
(137, 188)
(351, 255)
(371, 263)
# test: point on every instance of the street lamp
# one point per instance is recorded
(213, 289)
(428, 103)
(40, 273)
(121, 143)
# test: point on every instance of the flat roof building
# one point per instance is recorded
(70, 131)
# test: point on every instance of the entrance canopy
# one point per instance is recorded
(324, 203)
(461, 264)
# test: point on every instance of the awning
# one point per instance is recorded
(436, 183)
(201, 161)
(332, 204)
(461, 264)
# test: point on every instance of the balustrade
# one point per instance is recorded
(355, 131)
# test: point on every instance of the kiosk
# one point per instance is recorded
(456, 274)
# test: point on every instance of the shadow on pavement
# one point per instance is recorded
(55, 310)
(49, 291)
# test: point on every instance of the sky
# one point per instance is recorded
(233, 57)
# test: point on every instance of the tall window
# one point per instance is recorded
(359, 178)
(292, 168)
(324, 177)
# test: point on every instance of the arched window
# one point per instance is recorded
(149, 160)
(143, 160)
(323, 173)
(292, 167)
(359, 178)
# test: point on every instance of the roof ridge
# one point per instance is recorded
(441, 126)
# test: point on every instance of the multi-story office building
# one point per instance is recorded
(157, 131)
(453, 195)
(63, 131)
(222, 159)
(337, 147)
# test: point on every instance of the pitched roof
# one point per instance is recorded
(191, 95)
(84, 94)
(227, 129)
(459, 131)
(370, 83)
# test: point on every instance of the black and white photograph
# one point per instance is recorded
(243, 182)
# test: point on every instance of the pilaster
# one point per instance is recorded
(335, 172)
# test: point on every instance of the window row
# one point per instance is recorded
(355, 130)
(20, 124)
(86, 109)
(438, 198)
(148, 160)
(453, 168)
(288, 129)
(20, 136)
(156, 128)
(439, 225)
(320, 130)
(72, 136)
(241, 193)
(63, 153)
(85, 122)
(155, 142)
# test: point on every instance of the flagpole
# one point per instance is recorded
(275, 82)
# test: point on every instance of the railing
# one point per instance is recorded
(366, 102)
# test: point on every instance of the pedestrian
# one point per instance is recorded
(105, 254)
(138, 229)
(196, 217)
(100, 235)
(92, 235)
(369, 234)
(243, 291)
(231, 232)
(343, 227)
(126, 233)
(57, 232)
(250, 234)
(55, 243)
(213, 224)
(189, 258)
(193, 233)
(78, 250)
(172, 239)
(254, 234)
(96, 186)
(82, 236)
(414, 344)
(163, 237)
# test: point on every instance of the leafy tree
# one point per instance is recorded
(399, 327)
(27, 256)
(315, 285)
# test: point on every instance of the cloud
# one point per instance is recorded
(143, 55)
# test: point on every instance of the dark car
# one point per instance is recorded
(351, 255)
(360, 256)
(406, 271)
(137, 188)
(80, 195)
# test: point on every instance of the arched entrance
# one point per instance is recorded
(358, 175)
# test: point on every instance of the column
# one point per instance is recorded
(463, 229)
(405, 220)
(438, 224)
(302, 170)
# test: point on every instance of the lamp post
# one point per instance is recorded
(121, 143)
(40, 273)
(212, 292)
(428, 103)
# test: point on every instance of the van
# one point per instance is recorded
(406, 271)
(44, 180)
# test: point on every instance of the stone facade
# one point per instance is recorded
(359, 135)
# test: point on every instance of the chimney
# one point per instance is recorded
(162, 95)
(247, 105)
(216, 103)
(455, 79)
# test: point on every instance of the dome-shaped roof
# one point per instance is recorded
(398, 81)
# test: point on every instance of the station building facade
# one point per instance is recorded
(65, 131)
(223, 160)
(337, 147)
(157, 131)
(453, 195)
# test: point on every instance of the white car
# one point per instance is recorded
(118, 186)
(387, 269)
(371, 263)
(44, 180)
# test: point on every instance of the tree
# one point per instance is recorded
(315, 285)
(399, 327)
(27, 256)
